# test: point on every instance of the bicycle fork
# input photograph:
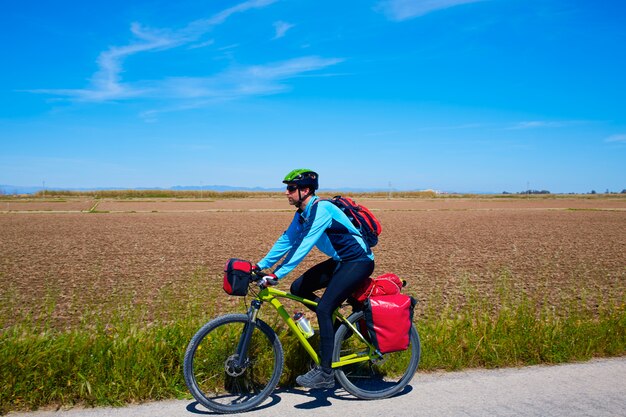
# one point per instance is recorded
(246, 335)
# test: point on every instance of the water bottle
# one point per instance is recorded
(303, 324)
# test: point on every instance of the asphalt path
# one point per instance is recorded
(596, 388)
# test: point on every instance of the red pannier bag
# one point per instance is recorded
(386, 284)
(237, 274)
(389, 319)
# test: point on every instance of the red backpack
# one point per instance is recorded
(361, 217)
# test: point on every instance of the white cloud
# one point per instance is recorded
(537, 124)
(242, 7)
(281, 28)
(457, 127)
(290, 68)
(106, 83)
(399, 10)
(195, 92)
(202, 44)
(240, 81)
(616, 138)
(169, 94)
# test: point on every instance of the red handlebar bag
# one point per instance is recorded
(237, 274)
(389, 319)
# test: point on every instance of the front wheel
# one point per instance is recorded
(379, 378)
(212, 371)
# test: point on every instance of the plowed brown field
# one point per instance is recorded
(554, 249)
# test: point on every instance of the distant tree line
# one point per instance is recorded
(548, 192)
(529, 192)
(609, 192)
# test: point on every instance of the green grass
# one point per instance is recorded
(125, 358)
(521, 331)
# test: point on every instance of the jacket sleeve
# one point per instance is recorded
(284, 243)
(311, 233)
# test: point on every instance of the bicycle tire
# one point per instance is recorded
(208, 370)
(372, 380)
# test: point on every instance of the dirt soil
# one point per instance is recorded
(559, 250)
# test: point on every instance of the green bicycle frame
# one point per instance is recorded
(272, 295)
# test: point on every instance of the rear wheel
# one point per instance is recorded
(378, 378)
(211, 368)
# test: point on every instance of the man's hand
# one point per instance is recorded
(268, 280)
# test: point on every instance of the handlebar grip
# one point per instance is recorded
(258, 275)
(272, 281)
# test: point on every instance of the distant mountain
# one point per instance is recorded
(279, 189)
(219, 188)
(17, 189)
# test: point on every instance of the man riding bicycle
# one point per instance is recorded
(319, 223)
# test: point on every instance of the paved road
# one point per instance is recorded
(596, 388)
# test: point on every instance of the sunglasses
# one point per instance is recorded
(292, 187)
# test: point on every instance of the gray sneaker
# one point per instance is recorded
(317, 378)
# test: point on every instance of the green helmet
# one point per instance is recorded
(302, 177)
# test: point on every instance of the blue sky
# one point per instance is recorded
(453, 95)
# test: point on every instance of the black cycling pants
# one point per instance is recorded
(340, 279)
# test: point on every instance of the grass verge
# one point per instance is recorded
(120, 361)
(521, 331)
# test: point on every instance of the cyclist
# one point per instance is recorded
(319, 223)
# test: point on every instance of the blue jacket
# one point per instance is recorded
(320, 224)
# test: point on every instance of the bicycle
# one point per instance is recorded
(234, 362)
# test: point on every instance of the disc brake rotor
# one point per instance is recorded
(231, 367)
